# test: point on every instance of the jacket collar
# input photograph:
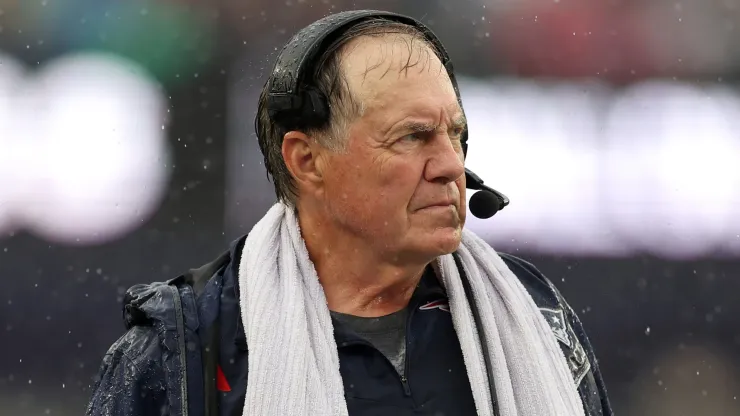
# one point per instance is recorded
(428, 289)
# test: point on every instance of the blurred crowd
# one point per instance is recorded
(139, 122)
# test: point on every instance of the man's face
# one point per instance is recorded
(400, 185)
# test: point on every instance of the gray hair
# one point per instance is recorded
(344, 107)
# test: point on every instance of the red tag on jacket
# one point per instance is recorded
(221, 383)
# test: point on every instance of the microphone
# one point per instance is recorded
(484, 204)
(487, 201)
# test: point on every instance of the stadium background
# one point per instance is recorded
(127, 155)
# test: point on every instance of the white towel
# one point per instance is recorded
(293, 359)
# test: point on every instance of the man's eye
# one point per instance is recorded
(412, 137)
(458, 132)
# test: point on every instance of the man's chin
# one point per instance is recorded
(444, 240)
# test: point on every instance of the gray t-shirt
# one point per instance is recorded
(386, 333)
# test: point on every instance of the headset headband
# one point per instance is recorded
(293, 100)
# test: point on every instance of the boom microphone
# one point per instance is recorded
(484, 204)
(487, 201)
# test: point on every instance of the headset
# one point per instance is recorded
(294, 101)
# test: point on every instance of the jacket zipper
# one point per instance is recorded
(403, 378)
(181, 345)
(405, 383)
(406, 361)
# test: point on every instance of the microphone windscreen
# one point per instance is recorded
(484, 204)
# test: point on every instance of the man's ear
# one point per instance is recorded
(301, 156)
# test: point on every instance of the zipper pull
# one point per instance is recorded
(405, 384)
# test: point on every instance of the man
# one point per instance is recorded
(359, 293)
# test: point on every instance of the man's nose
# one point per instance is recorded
(446, 164)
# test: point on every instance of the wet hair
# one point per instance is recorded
(344, 108)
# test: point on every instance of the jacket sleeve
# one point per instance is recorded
(523, 268)
(130, 381)
(583, 338)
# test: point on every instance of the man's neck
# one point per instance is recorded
(356, 280)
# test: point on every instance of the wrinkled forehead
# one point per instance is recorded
(379, 68)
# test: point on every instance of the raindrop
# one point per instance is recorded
(647, 331)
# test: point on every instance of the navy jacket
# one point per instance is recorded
(185, 353)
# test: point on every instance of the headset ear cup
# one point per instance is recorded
(315, 109)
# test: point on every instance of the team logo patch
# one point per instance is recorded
(440, 304)
(556, 319)
(575, 354)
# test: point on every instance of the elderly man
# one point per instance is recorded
(359, 292)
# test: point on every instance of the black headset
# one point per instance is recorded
(294, 101)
